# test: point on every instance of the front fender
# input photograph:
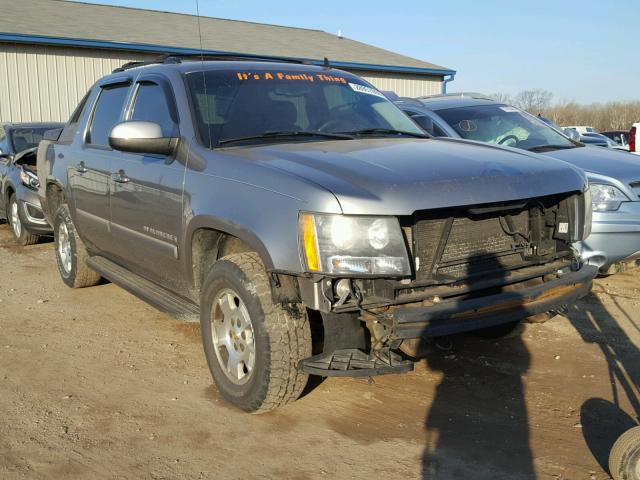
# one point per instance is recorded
(213, 223)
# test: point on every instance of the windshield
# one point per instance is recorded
(28, 137)
(503, 125)
(251, 106)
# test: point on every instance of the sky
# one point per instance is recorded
(586, 51)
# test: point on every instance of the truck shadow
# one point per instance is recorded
(603, 421)
(477, 425)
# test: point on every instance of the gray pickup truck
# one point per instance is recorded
(308, 223)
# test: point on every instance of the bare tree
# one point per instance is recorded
(534, 101)
(603, 117)
(502, 97)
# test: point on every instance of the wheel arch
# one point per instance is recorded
(207, 239)
(9, 189)
(54, 196)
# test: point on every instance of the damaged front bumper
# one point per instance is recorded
(475, 312)
(456, 309)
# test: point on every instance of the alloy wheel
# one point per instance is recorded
(64, 247)
(233, 337)
(16, 224)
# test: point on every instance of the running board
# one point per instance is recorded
(155, 295)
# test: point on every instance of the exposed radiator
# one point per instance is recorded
(461, 246)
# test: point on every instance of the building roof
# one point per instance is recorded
(100, 26)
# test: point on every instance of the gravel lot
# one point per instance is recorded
(96, 384)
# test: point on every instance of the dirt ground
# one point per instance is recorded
(96, 384)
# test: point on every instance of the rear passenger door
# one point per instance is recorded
(90, 171)
(146, 192)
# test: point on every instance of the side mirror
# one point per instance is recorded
(424, 123)
(141, 137)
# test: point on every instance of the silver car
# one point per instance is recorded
(270, 200)
(614, 175)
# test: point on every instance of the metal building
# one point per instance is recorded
(51, 51)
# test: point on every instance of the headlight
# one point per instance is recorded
(606, 198)
(588, 214)
(29, 179)
(353, 245)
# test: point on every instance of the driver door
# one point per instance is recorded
(146, 191)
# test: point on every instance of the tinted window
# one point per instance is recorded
(69, 129)
(152, 106)
(24, 138)
(231, 105)
(503, 125)
(107, 113)
(438, 132)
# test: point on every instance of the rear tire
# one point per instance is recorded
(71, 254)
(20, 234)
(624, 459)
(252, 345)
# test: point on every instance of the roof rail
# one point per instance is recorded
(173, 58)
(476, 95)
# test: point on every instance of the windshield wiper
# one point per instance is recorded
(385, 131)
(285, 134)
(542, 148)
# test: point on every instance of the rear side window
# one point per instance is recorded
(107, 113)
(437, 131)
(69, 129)
(152, 105)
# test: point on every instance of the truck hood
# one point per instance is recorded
(399, 176)
(617, 164)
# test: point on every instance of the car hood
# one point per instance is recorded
(399, 176)
(617, 164)
(24, 154)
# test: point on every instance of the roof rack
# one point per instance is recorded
(174, 58)
(474, 95)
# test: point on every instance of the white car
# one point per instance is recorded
(582, 129)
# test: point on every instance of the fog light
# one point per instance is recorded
(343, 288)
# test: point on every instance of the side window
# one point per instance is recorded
(3, 136)
(107, 113)
(152, 105)
(438, 132)
(69, 129)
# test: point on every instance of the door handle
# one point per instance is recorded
(81, 168)
(120, 177)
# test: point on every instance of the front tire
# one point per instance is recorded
(252, 345)
(20, 234)
(624, 459)
(71, 254)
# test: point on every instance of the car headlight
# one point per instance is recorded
(606, 198)
(588, 214)
(29, 179)
(353, 245)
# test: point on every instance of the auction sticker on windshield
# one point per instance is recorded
(364, 89)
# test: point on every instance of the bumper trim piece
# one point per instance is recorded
(457, 316)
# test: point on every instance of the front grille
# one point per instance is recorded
(635, 186)
(458, 247)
